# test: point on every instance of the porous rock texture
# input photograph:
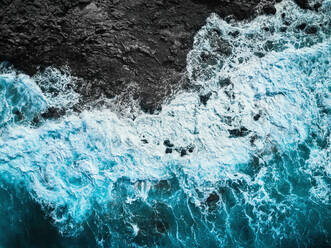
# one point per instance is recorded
(135, 49)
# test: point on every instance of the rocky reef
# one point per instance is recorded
(135, 49)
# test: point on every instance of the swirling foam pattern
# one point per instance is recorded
(250, 152)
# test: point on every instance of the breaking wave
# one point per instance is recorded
(242, 162)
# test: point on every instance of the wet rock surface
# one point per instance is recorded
(133, 48)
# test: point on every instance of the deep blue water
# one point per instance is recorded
(257, 172)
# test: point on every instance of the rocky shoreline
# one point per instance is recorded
(133, 48)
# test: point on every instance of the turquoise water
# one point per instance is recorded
(255, 171)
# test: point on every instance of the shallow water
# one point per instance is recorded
(249, 166)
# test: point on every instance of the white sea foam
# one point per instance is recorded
(58, 87)
(74, 164)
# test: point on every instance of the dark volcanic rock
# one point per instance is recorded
(212, 199)
(304, 4)
(53, 113)
(317, 6)
(204, 98)
(183, 152)
(167, 143)
(257, 117)
(168, 150)
(301, 26)
(135, 47)
(240, 132)
(311, 30)
(269, 9)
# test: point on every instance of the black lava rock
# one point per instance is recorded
(212, 199)
(311, 30)
(204, 98)
(149, 105)
(283, 29)
(19, 115)
(304, 4)
(241, 132)
(168, 143)
(317, 6)
(190, 148)
(269, 9)
(168, 150)
(112, 44)
(53, 113)
(183, 152)
(256, 117)
(225, 82)
(301, 26)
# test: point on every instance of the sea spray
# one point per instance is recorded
(249, 162)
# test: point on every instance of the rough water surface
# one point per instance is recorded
(243, 161)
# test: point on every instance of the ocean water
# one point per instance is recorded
(244, 161)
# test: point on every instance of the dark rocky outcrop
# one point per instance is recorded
(304, 4)
(135, 47)
(204, 98)
(168, 150)
(257, 117)
(239, 132)
(212, 200)
(269, 9)
(167, 143)
(311, 30)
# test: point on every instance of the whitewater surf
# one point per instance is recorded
(244, 161)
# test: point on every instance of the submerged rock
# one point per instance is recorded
(53, 113)
(311, 30)
(269, 9)
(168, 150)
(167, 143)
(204, 98)
(257, 117)
(239, 132)
(212, 200)
(183, 152)
(301, 26)
(304, 4)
